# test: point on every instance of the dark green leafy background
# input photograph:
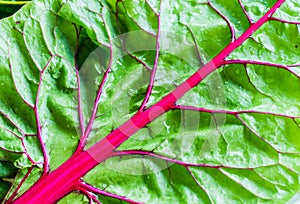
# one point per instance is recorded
(7, 8)
(232, 139)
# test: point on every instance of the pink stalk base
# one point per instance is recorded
(55, 185)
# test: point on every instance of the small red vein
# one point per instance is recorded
(38, 122)
(153, 71)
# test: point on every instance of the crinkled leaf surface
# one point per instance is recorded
(234, 138)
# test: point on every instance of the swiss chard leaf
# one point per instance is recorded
(233, 138)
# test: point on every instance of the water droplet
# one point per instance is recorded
(256, 10)
(238, 71)
(279, 31)
(131, 92)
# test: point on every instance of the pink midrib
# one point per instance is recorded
(64, 179)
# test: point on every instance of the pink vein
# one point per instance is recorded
(135, 58)
(232, 46)
(294, 65)
(19, 185)
(134, 21)
(11, 151)
(12, 122)
(96, 190)
(198, 184)
(176, 161)
(11, 69)
(38, 122)
(226, 19)
(11, 132)
(192, 108)
(80, 113)
(97, 99)
(123, 44)
(257, 135)
(196, 45)
(245, 12)
(245, 62)
(284, 21)
(88, 194)
(153, 71)
(264, 93)
(26, 152)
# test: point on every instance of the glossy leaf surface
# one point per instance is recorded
(73, 72)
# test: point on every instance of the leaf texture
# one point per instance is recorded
(74, 71)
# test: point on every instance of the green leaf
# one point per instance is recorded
(73, 71)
